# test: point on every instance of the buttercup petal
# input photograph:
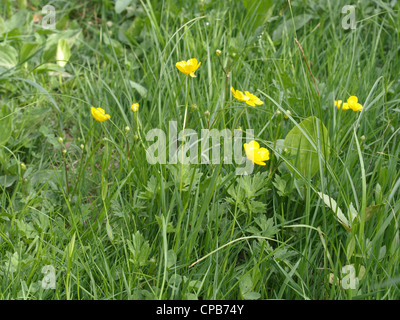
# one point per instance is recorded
(352, 99)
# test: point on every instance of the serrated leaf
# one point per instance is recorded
(170, 227)
(280, 185)
(139, 248)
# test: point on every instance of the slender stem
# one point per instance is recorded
(176, 96)
(237, 120)
(183, 132)
(308, 67)
(276, 138)
(66, 173)
(219, 113)
(127, 146)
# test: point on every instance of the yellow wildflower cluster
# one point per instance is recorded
(352, 103)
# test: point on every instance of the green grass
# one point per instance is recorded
(114, 226)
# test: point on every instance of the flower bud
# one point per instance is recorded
(135, 107)
(82, 147)
(127, 129)
(23, 166)
(64, 151)
(60, 140)
(362, 138)
(218, 52)
(288, 113)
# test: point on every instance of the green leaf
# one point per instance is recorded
(190, 296)
(371, 210)
(7, 181)
(139, 88)
(350, 248)
(26, 229)
(8, 57)
(171, 258)
(246, 284)
(120, 5)
(252, 296)
(28, 49)
(170, 227)
(50, 50)
(246, 287)
(134, 29)
(287, 26)
(6, 119)
(63, 52)
(258, 11)
(71, 246)
(17, 21)
(139, 248)
(331, 203)
(280, 185)
(109, 231)
(302, 154)
(2, 26)
(22, 4)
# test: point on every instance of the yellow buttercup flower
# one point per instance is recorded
(253, 100)
(352, 103)
(247, 97)
(188, 67)
(99, 114)
(339, 105)
(256, 154)
(135, 107)
(239, 95)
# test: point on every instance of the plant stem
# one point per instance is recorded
(183, 133)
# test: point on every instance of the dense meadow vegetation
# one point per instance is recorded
(86, 214)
